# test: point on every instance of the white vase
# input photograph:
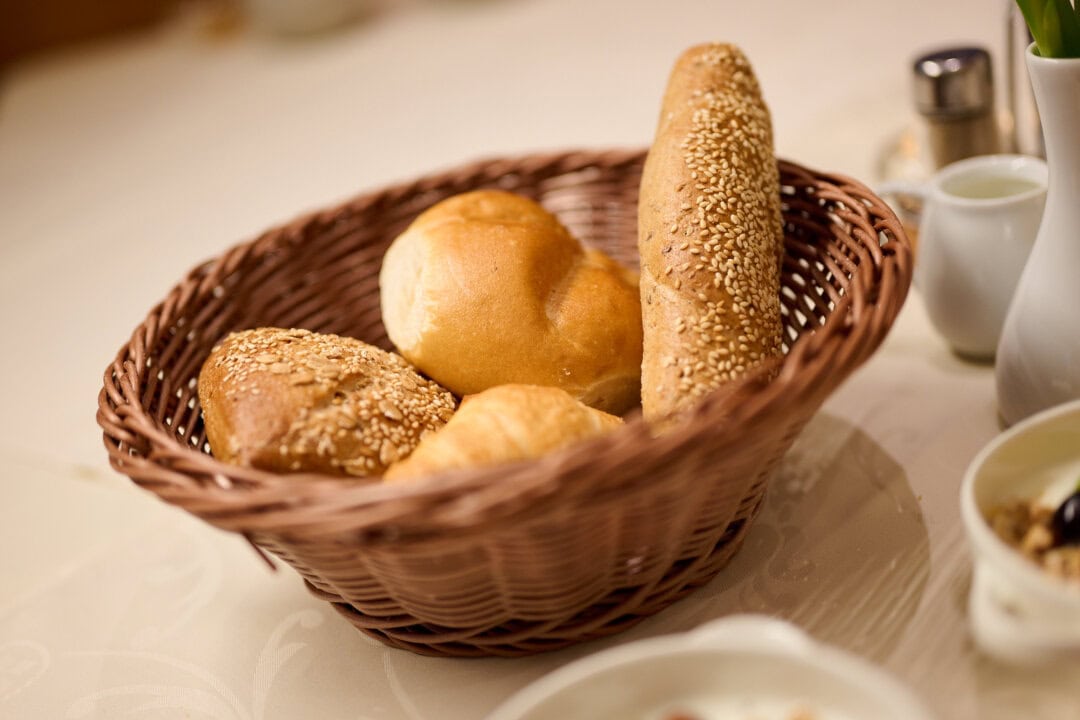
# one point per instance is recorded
(1038, 357)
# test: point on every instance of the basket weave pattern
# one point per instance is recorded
(526, 557)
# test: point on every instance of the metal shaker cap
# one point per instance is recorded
(954, 82)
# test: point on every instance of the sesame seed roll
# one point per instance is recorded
(290, 400)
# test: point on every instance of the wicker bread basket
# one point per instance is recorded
(526, 557)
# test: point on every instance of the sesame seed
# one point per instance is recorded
(390, 411)
(387, 453)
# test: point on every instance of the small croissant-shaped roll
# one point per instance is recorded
(502, 424)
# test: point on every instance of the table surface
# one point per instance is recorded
(123, 164)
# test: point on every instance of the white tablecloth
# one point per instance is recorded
(125, 163)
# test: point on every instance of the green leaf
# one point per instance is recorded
(1051, 31)
(1055, 25)
(1069, 26)
(1032, 11)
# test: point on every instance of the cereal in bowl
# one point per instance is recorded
(1047, 534)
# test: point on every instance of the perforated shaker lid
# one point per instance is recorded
(953, 82)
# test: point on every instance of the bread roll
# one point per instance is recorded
(293, 400)
(488, 288)
(710, 233)
(501, 424)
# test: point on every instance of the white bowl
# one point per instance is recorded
(1018, 612)
(738, 667)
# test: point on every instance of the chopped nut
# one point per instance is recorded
(1027, 526)
(1063, 561)
(1037, 539)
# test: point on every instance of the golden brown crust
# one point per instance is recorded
(488, 288)
(709, 232)
(293, 400)
(502, 424)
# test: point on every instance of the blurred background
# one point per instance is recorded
(32, 27)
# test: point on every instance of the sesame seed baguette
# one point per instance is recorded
(293, 400)
(710, 233)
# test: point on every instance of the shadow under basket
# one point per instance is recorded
(531, 556)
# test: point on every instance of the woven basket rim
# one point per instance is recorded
(254, 492)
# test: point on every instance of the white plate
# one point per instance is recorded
(735, 668)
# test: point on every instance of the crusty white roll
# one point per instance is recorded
(488, 288)
(502, 424)
(710, 233)
(290, 400)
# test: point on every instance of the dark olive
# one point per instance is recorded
(1066, 521)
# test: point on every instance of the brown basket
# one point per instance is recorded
(527, 557)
